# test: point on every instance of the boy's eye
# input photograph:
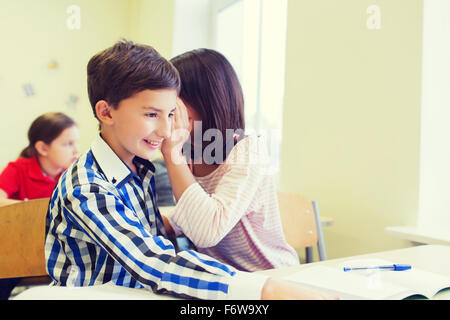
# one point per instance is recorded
(151, 115)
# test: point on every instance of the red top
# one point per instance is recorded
(24, 179)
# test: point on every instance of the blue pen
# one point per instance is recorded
(392, 267)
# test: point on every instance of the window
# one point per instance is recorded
(252, 35)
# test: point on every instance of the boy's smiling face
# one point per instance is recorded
(139, 124)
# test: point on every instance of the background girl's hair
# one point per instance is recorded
(46, 128)
(211, 87)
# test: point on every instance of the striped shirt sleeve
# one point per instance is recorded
(207, 218)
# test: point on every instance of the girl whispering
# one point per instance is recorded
(226, 202)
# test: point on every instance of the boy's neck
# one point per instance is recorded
(123, 155)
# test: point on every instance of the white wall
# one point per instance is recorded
(351, 127)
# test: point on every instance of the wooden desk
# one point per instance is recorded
(6, 202)
(326, 221)
(417, 235)
(434, 258)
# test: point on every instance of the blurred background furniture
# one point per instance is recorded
(302, 225)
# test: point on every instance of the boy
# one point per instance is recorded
(103, 224)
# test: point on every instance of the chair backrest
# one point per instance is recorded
(298, 220)
(22, 238)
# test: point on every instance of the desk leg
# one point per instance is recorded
(309, 254)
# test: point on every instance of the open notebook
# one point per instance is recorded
(371, 284)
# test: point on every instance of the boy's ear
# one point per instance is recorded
(103, 112)
(41, 148)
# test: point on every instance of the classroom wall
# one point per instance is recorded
(35, 32)
(351, 127)
(151, 23)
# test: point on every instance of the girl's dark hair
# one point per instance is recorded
(46, 128)
(211, 87)
(124, 69)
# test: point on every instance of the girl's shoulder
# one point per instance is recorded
(22, 163)
(251, 149)
(25, 161)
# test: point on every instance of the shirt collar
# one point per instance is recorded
(144, 166)
(115, 170)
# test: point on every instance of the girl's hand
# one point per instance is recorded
(171, 147)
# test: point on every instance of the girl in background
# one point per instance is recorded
(227, 206)
(52, 148)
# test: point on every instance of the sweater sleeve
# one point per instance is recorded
(9, 179)
(207, 218)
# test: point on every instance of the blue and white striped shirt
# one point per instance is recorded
(103, 225)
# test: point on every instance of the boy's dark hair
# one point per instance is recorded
(124, 69)
(211, 87)
(46, 128)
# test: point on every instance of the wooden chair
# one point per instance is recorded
(301, 223)
(22, 237)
